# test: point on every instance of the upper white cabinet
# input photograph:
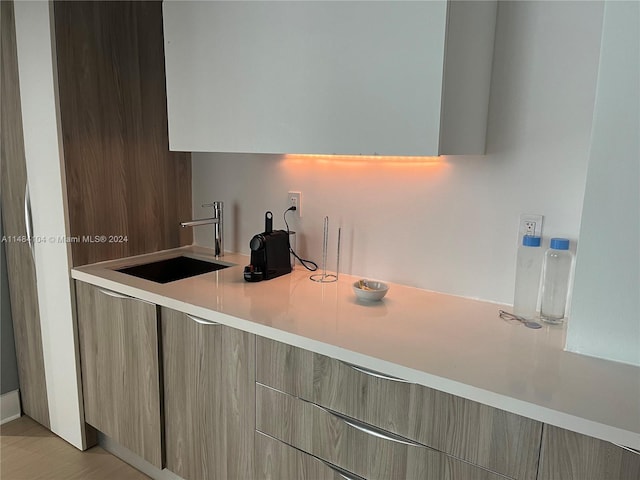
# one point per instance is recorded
(324, 77)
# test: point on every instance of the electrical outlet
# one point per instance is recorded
(530, 224)
(294, 199)
(529, 228)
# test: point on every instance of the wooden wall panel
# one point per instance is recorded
(121, 177)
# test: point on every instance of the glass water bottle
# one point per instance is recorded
(555, 281)
(528, 269)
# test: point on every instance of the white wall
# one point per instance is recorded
(606, 301)
(448, 226)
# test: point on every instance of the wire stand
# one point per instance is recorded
(325, 277)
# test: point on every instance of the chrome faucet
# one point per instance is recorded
(216, 220)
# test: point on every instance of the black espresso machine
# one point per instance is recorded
(269, 253)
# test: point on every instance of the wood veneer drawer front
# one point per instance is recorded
(276, 460)
(119, 353)
(209, 398)
(568, 455)
(500, 441)
(364, 450)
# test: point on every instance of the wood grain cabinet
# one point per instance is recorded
(87, 115)
(121, 179)
(209, 398)
(568, 455)
(488, 437)
(15, 220)
(276, 460)
(119, 352)
(354, 446)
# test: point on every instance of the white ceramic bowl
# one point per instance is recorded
(370, 290)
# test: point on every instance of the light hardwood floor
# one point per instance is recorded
(30, 452)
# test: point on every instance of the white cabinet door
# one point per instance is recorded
(45, 177)
(320, 77)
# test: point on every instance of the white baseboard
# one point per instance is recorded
(9, 406)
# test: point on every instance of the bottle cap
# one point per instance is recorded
(531, 241)
(559, 243)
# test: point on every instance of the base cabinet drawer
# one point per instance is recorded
(491, 438)
(356, 447)
(278, 461)
(209, 403)
(568, 455)
(119, 352)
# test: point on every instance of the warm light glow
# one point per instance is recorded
(365, 160)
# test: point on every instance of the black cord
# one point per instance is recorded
(308, 264)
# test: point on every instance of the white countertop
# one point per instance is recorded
(449, 343)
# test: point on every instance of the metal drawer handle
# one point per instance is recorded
(114, 294)
(28, 221)
(628, 449)
(377, 433)
(368, 429)
(373, 373)
(201, 321)
(121, 296)
(343, 473)
(347, 477)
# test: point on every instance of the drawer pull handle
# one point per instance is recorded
(628, 449)
(368, 429)
(121, 296)
(373, 373)
(202, 321)
(28, 221)
(115, 295)
(343, 473)
(377, 433)
(347, 477)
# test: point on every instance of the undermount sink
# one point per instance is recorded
(172, 269)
